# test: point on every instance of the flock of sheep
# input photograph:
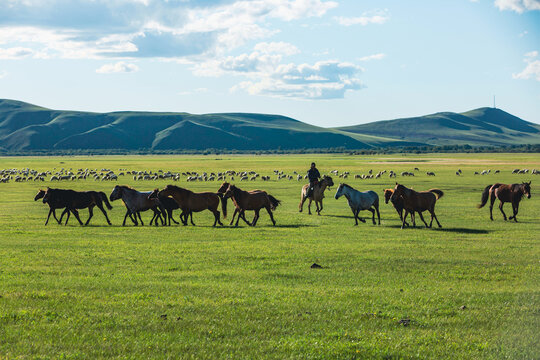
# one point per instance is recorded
(26, 174)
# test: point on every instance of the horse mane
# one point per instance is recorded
(348, 186)
(391, 191)
(126, 187)
(177, 188)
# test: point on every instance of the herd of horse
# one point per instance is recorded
(406, 201)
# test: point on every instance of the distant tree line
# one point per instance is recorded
(525, 148)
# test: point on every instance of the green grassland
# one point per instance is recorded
(470, 290)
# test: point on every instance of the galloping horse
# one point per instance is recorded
(397, 203)
(136, 202)
(505, 193)
(317, 195)
(360, 201)
(191, 202)
(418, 201)
(245, 200)
(73, 200)
(222, 189)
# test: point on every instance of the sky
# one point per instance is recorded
(325, 62)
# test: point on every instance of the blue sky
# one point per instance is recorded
(328, 63)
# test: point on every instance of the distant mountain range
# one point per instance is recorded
(25, 126)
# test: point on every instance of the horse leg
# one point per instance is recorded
(515, 208)
(233, 216)
(240, 215)
(378, 214)
(373, 215)
(172, 218)
(271, 215)
(309, 206)
(140, 218)
(100, 206)
(301, 205)
(243, 214)
(217, 214)
(90, 214)
(319, 209)
(492, 201)
(76, 213)
(435, 216)
(424, 221)
(48, 216)
(125, 218)
(501, 208)
(255, 218)
(404, 217)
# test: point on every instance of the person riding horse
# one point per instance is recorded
(313, 176)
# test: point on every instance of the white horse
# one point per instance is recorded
(136, 202)
(367, 200)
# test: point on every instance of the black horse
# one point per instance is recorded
(73, 200)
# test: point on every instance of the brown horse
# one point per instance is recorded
(73, 200)
(191, 202)
(317, 195)
(222, 189)
(417, 201)
(505, 193)
(245, 200)
(397, 203)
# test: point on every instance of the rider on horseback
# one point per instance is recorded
(313, 176)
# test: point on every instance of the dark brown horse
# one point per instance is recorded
(397, 203)
(418, 201)
(222, 189)
(190, 202)
(169, 205)
(52, 205)
(505, 193)
(245, 200)
(74, 200)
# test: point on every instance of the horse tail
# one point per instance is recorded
(105, 200)
(273, 202)
(223, 204)
(439, 193)
(485, 196)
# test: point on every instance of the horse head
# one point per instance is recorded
(40, 194)
(328, 180)
(398, 191)
(229, 192)
(154, 194)
(339, 192)
(387, 195)
(46, 195)
(116, 193)
(527, 189)
(223, 187)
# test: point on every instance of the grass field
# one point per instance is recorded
(469, 290)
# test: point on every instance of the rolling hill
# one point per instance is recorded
(484, 126)
(27, 127)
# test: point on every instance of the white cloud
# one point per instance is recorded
(277, 48)
(3, 74)
(532, 70)
(379, 56)
(379, 17)
(145, 28)
(15, 53)
(518, 6)
(322, 80)
(119, 67)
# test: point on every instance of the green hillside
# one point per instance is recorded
(26, 127)
(484, 126)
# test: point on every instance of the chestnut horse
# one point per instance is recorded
(397, 203)
(245, 200)
(417, 201)
(222, 189)
(505, 193)
(191, 202)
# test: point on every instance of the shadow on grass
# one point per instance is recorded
(450, 230)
